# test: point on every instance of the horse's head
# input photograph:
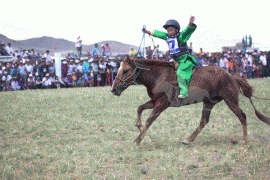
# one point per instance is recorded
(126, 74)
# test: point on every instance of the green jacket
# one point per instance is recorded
(183, 38)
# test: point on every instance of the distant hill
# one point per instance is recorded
(41, 44)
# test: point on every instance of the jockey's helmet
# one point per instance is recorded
(173, 23)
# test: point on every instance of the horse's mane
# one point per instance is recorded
(150, 62)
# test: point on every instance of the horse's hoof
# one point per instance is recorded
(136, 142)
(186, 142)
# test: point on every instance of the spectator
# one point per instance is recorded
(3, 51)
(67, 80)
(22, 83)
(86, 67)
(96, 51)
(156, 52)
(102, 72)
(201, 52)
(249, 70)
(28, 67)
(80, 82)
(6, 77)
(51, 68)
(9, 49)
(56, 83)
(114, 67)
(37, 70)
(99, 79)
(15, 71)
(108, 71)
(74, 79)
(95, 67)
(199, 60)
(15, 84)
(44, 69)
(244, 66)
(39, 83)
(22, 73)
(79, 46)
(64, 68)
(231, 66)
(132, 52)
(263, 64)
(149, 53)
(47, 56)
(89, 80)
(80, 69)
(31, 82)
(107, 50)
(46, 82)
(71, 68)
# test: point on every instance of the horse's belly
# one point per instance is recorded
(196, 95)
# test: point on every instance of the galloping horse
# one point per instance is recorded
(209, 85)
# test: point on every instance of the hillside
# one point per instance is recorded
(41, 44)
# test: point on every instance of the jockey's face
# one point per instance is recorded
(171, 31)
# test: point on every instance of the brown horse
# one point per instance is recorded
(209, 85)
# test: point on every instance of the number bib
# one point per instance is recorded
(173, 45)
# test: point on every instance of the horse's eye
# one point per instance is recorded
(125, 72)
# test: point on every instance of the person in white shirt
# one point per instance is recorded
(250, 58)
(47, 56)
(15, 84)
(46, 82)
(221, 62)
(6, 77)
(9, 49)
(31, 82)
(80, 69)
(28, 67)
(156, 52)
(263, 59)
(78, 45)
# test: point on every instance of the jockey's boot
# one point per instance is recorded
(182, 96)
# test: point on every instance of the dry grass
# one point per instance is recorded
(87, 133)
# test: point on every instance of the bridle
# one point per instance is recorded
(134, 80)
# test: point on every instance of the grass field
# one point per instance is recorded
(87, 133)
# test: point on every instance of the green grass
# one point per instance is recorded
(87, 133)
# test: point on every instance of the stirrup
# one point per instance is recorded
(182, 96)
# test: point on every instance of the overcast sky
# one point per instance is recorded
(219, 24)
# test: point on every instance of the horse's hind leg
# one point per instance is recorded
(207, 107)
(234, 106)
(141, 108)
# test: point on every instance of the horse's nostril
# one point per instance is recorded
(113, 90)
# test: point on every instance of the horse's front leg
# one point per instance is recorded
(149, 105)
(158, 108)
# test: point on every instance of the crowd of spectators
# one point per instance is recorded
(252, 64)
(31, 70)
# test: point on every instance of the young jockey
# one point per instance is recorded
(179, 51)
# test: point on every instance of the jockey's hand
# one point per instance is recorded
(147, 32)
(191, 21)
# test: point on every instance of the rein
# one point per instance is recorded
(137, 67)
(134, 80)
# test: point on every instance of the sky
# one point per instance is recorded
(218, 24)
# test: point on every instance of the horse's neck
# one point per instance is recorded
(148, 77)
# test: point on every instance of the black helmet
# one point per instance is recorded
(173, 23)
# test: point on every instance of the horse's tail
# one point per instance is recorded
(247, 91)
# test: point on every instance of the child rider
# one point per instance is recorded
(179, 51)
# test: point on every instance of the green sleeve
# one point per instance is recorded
(186, 33)
(160, 34)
